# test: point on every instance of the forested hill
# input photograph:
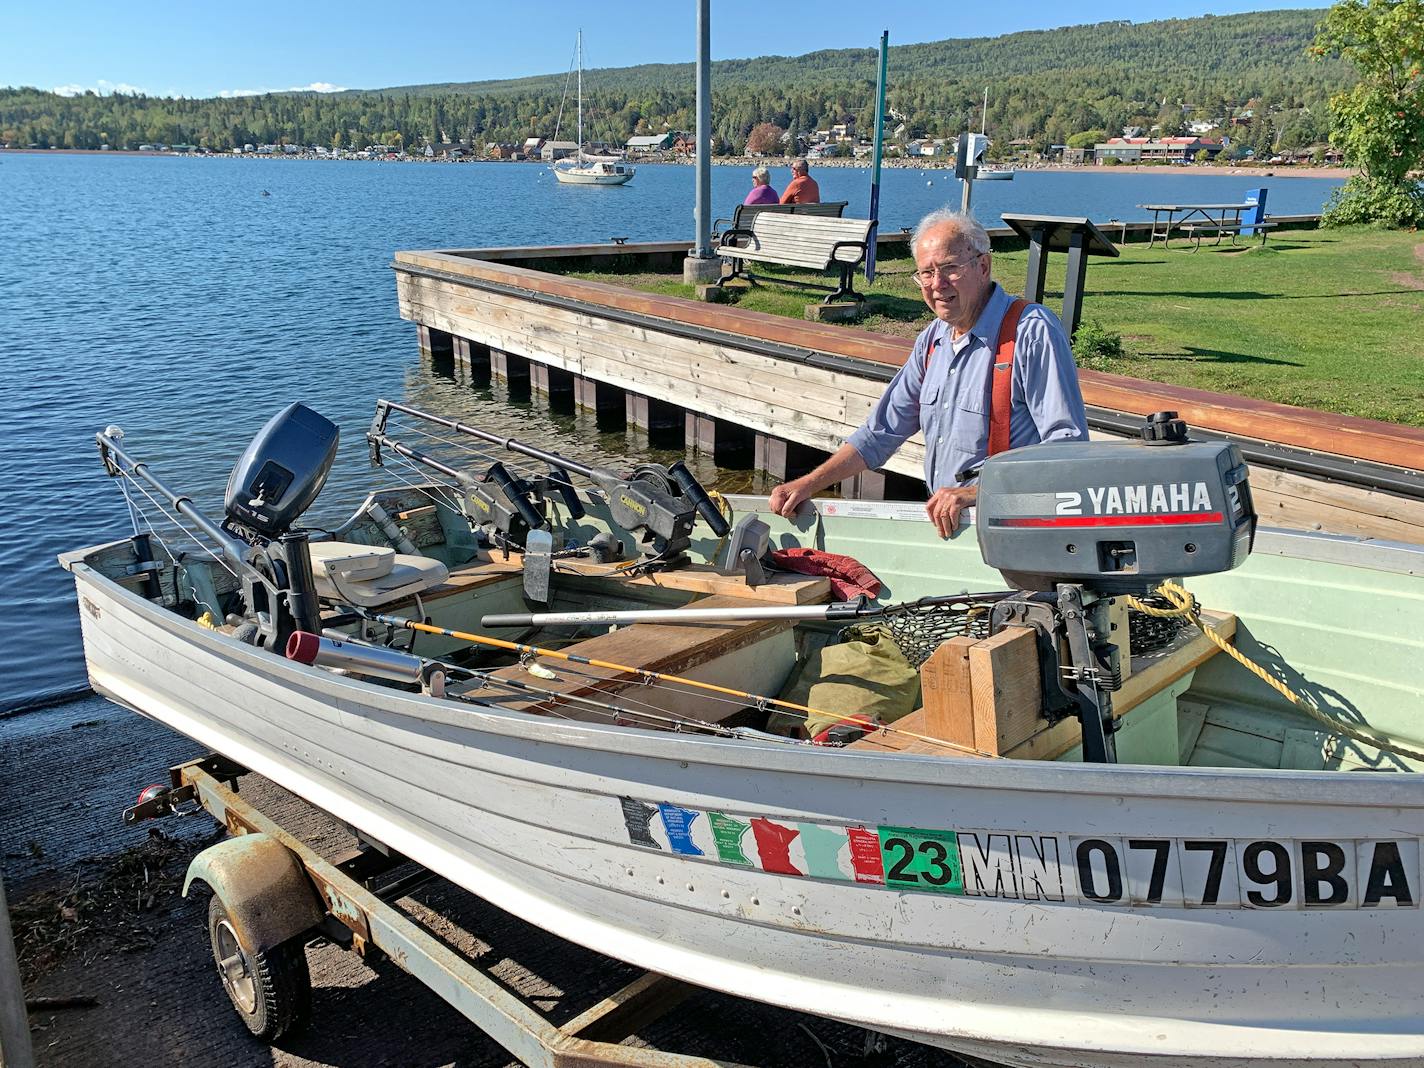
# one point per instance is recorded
(1044, 86)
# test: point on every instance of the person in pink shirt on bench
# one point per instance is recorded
(762, 192)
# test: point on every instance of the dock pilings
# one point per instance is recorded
(730, 444)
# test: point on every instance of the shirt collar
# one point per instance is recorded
(991, 317)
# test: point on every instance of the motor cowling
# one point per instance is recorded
(280, 473)
(1115, 516)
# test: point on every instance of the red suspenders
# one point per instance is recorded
(1001, 397)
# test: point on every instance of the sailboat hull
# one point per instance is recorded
(590, 175)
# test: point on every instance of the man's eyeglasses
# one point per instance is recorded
(950, 272)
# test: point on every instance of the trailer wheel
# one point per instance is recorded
(271, 990)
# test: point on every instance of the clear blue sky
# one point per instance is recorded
(192, 49)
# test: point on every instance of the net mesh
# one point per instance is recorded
(921, 629)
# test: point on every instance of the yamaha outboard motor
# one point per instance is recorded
(275, 481)
(1072, 523)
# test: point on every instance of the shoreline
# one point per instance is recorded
(1278, 170)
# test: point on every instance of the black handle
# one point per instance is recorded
(517, 497)
(559, 479)
(693, 491)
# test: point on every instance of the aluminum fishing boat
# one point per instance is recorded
(1111, 860)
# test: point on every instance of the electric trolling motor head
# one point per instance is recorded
(1115, 516)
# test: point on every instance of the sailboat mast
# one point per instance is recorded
(984, 118)
(579, 153)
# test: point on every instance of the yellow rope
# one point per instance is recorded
(1185, 605)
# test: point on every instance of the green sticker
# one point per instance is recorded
(727, 835)
(916, 859)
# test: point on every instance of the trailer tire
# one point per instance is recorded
(270, 990)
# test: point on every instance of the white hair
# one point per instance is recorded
(762, 175)
(963, 228)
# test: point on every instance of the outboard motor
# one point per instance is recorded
(276, 479)
(1072, 523)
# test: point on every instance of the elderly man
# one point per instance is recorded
(803, 188)
(991, 372)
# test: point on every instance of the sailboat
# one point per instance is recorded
(987, 172)
(584, 169)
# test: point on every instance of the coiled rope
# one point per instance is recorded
(1185, 606)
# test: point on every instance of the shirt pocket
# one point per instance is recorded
(968, 430)
(929, 401)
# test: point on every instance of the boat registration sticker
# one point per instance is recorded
(1104, 870)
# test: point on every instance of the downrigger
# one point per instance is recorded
(657, 504)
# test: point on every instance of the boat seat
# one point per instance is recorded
(371, 575)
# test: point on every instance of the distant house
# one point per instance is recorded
(500, 150)
(919, 147)
(1132, 131)
(553, 150)
(1201, 126)
(650, 143)
(685, 144)
(532, 147)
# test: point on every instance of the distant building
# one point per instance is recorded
(532, 147)
(650, 143)
(553, 150)
(1148, 150)
(501, 150)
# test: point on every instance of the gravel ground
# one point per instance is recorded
(141, 951)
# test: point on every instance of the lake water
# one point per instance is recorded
(171, 297)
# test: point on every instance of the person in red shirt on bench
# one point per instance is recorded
(803, 188)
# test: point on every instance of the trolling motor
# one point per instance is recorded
(658, 504)
(1069, 524)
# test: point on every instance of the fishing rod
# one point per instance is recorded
(339, 651)
(838, 611)
(759, 700)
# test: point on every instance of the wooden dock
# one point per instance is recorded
(763, 391)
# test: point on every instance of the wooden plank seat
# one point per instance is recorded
(815, 243)
(1195, 231)
(752, 655)
(743, 214)
(1021, 733)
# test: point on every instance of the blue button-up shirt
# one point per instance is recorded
(949, 400)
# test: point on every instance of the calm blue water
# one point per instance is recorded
(170, 297)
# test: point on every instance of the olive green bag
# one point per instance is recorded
(864, 674)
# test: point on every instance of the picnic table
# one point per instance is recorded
(1197, 219)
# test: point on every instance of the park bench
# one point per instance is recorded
(813, 242)
(1195, 231)
(744, 214)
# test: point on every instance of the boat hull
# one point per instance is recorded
(968, 904)
(577, 177)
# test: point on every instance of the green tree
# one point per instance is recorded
(1379, 122)
(1087, 139)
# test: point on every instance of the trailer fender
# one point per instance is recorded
(263, 886)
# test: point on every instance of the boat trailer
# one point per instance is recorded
(275, 894)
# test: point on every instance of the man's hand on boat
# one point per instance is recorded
(945, 507)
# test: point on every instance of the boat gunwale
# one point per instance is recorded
(1221, 785)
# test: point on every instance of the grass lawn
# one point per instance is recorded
(1327, 319)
